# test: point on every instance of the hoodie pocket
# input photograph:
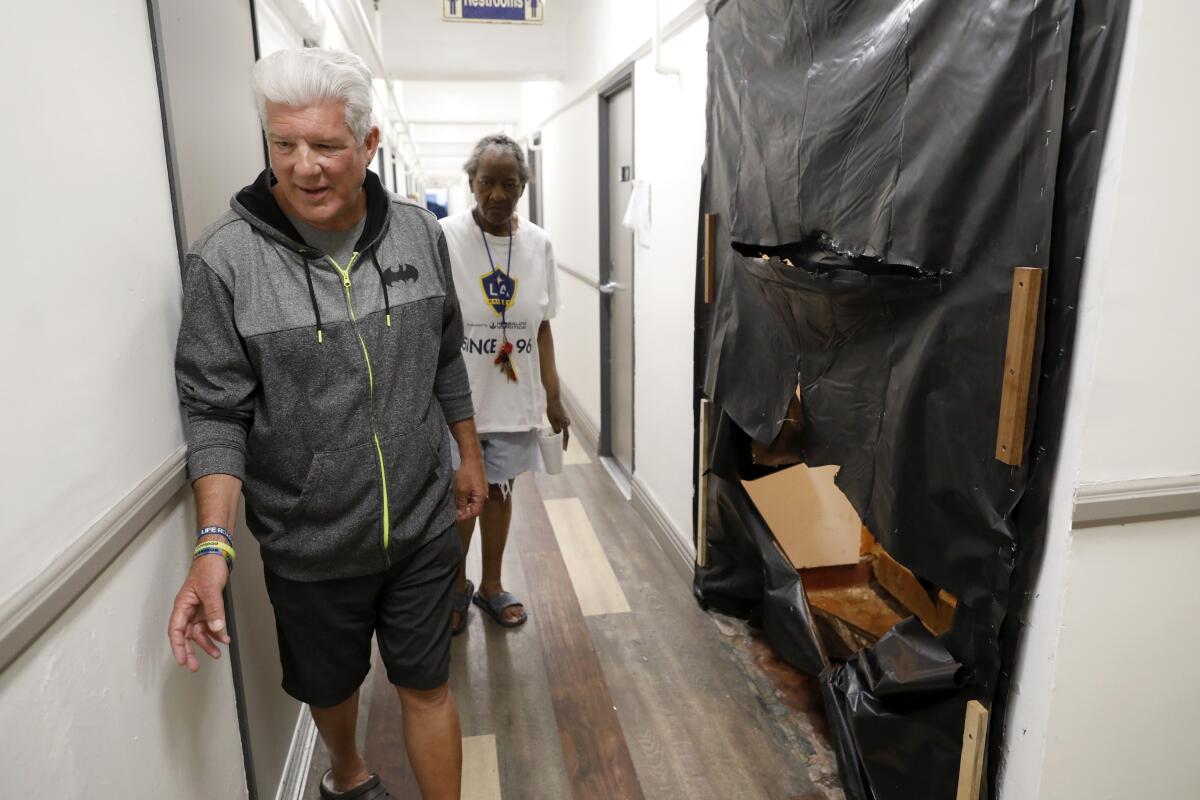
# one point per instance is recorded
(416, 479)
(340, 490)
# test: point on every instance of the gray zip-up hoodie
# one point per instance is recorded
(326, 388)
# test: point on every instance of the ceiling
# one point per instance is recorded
(458, 81)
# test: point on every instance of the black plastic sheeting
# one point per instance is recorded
(878, 170)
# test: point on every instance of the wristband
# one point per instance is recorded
(215, 530)
(215, 549)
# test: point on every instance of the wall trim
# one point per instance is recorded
(1116, 502)
(36, 605)
(584, 425)
(299, 758)
(667, 536)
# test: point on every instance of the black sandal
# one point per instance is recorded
(497, 604)
(370, 789)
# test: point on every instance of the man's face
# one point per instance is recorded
(497, 185)
(318, 165)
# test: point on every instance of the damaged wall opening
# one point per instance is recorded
(894, 224)
(856, 590)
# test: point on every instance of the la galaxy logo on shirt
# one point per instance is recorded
(499, 291)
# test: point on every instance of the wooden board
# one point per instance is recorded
(970, 766)
(710, 255)
(936, 613)
(1018, 364)
(702, 486)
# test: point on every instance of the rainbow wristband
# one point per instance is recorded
(215, 549)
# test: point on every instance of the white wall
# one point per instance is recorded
(1104, 670)
(570, 179)
(1120, 721)
(1142, 419)
(97, 706)
(669, 136)
(89, 324)
(669, 121)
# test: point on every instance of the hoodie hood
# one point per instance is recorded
(257, 205)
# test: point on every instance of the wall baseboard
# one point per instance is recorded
(299, 758)
(584, 425)
(669, 540)
(665, 534)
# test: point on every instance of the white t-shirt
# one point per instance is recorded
(529, 287)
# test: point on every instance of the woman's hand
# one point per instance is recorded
(559, 421)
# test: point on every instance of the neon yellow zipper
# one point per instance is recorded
(345, 274)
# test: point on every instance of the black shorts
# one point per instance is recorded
(325, 627)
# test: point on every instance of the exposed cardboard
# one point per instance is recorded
(813, 521)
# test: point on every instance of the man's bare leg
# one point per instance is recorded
(336, 725)
(433, 740)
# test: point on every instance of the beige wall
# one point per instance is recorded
(97, 706)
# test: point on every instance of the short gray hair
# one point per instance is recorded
(299, 78)
(503, 142)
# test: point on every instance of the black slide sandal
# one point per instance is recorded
(370, 789)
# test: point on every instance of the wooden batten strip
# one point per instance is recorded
(970, 765)
(710, 255)
(1023, 316)
(702, 486)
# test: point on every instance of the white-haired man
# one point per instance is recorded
(319, 364)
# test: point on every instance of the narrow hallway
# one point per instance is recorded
(619, 685)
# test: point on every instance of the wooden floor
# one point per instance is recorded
(619, 686)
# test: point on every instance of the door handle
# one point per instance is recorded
(611, 286)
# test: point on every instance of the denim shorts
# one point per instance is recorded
(506, 455)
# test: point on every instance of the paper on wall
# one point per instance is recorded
(637, 213)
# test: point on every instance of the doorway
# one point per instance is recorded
(616, 282)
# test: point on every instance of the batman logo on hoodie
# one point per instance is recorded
(403, 272)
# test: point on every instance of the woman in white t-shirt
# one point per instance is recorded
(507, 287)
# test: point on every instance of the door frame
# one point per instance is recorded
(622, 81)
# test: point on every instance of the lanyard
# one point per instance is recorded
(503, 303)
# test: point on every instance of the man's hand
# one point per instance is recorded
(559, 420)
(199, 612)
(470, 489)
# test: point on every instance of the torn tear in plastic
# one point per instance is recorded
(877, 170)
(820, 255)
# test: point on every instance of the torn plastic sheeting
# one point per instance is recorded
(889, 128)
(905, 746)
(908, 659)
(761, 584)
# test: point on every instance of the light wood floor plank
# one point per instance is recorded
(575, 454)
(481, 768)
(593, 744)
(596, 585)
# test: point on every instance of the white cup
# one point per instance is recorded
(551, 445)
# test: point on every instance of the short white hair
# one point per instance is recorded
(300, 78)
